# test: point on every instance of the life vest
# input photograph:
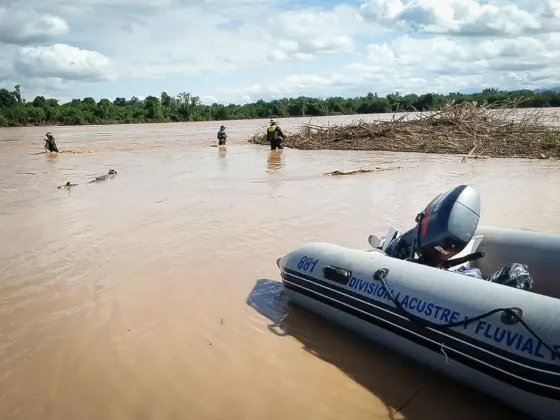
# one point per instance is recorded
(272, 129)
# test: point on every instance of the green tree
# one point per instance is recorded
(15, 111)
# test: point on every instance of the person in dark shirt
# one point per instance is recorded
(50, 143)
(275, 136)
(222, 136)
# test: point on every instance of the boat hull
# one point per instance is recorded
(520, 374)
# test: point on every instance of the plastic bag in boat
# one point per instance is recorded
(514, 275)
(471, 272)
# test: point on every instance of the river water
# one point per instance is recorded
(155, 295)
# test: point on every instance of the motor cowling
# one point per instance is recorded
(447, 224)
(443, 229)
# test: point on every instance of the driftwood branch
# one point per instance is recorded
(361, 171)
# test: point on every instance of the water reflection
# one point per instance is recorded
(275, 160)
(405, 388)
(223, 162)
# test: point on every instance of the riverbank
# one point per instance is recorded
(468, 129)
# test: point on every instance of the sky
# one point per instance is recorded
(239, 51)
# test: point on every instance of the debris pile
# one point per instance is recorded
(469, 129)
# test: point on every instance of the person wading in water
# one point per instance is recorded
(222, 136)
(275, 136)
(50, 143)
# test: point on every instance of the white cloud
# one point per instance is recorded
(202, 41)
(24, 26)
(162, 38)
(208, 99)
(211, 47)
(463, 17)
(6, 61)
(61, 61)
(438, 64)
(317, 30)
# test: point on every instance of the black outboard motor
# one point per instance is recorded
(444, 228)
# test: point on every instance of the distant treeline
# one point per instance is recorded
(15, 111)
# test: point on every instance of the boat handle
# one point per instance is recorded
(380, 274)
(512, 316)
(337, 274)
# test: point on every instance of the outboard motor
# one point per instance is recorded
(443, 229)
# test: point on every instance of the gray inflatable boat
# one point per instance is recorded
(476, 303)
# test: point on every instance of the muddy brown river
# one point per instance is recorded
(155, 295)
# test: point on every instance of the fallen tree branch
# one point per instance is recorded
(360, 171)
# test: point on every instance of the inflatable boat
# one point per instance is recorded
(479, 304)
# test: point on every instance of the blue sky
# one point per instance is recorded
(241, 50)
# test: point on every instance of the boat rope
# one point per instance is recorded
(510, 312)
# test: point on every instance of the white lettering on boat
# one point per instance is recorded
(503, 337)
